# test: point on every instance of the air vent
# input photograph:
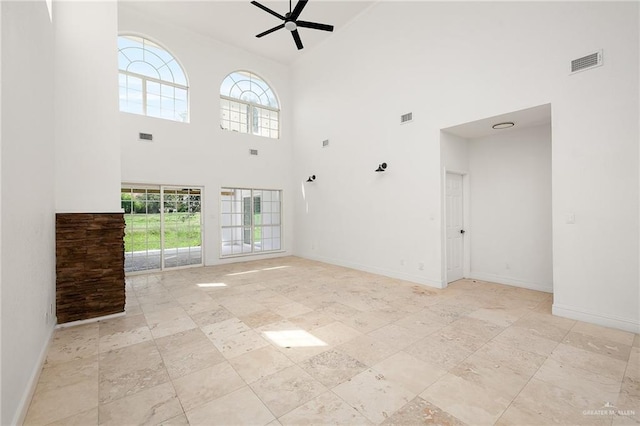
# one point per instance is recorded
(145, 136)
(586, 62)
(325, 143)
(406, 118)
(253, 152)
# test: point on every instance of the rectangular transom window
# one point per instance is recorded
(251, 221)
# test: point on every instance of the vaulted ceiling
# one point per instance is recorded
(237, 22)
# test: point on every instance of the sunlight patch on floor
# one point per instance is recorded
(211, 285)
(293, 339)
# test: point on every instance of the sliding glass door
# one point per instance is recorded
(251, 221)
(182, 230)
(163, 227)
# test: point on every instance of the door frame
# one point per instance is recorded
(466, 252)
(161, 188)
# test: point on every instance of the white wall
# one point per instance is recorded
(86, 107)
(454, 153)
(510, 211)
(452, 63)
(0, 216)
(28, 227)
(200, 153)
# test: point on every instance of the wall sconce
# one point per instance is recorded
(381, 167)
(311, 178)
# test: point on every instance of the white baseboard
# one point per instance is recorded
(90, 320)
(547, 288)
(375, 270)
(575, 313)
(25, 401)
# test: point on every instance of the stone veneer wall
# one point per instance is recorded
(89, 265)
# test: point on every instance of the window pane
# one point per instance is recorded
(123, 61)
(165, 73)
(180, 94)
(154, 60)
(177, 73)
(133, 53)
(153, 88)
(162, 55)
(167, 91)
(236, 219)
(143, 68)
(147, 59)
(167, 104)
(130, 94)
(252, 91)
(129, 41)
(134, 83)
(153, 105)
(245, 211)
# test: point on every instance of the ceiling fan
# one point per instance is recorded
(291, 22)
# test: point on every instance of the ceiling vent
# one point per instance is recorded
(253, 152)
(406, 118)
(325, 143)
(145, 136)
(587, 62)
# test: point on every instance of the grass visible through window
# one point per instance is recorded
(142, 231)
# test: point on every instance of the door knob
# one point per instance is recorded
(462, 231)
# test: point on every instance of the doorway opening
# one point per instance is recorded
(505, 163)
(163, 227)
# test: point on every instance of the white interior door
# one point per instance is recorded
(455, 227)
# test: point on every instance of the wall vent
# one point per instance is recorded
(325, 143)
(406, 118)
(145, 136)
(253, 152)
(587, 62)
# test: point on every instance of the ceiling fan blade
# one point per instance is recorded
(266, 9)
(296, 38)
(314, 25)
(298, 9)
(270, 31)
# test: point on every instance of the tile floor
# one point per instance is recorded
(291, 341)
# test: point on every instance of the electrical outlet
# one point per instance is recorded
(401, 262)
(421, 266)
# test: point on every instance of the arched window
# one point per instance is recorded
(152, 81)
(248, 105)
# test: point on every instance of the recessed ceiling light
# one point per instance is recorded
(504, 125)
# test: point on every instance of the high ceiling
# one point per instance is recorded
(237, 22)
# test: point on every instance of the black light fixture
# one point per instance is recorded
(311, 178)
(381, 167)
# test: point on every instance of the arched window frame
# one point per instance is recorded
(163, 96)
(249, 105)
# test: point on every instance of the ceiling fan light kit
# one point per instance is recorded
(291, 22)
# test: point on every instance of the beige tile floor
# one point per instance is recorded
(291, 341)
